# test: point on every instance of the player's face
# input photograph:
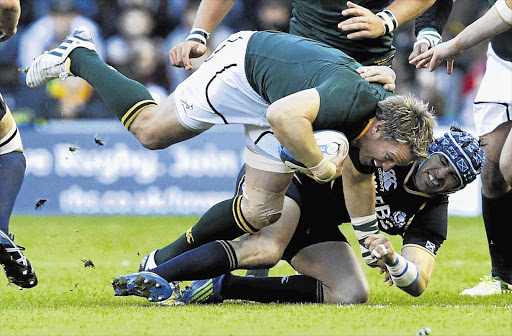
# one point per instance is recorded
(436, 175)
(385, 154)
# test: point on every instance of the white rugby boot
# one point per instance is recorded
(489, 285)
(56, 63)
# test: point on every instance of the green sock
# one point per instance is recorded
(220, 222)
(123, 96)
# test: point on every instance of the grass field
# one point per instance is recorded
(75, 300)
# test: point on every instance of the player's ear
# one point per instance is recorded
(377, 127)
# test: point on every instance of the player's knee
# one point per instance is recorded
(148, 141)
(493, 181)
(260, 215)
(506, 169)
(356, 293)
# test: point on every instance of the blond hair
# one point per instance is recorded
(408, 120)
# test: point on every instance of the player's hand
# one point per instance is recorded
(418, 49)
(379, 74)
(364, 23)
(427, 39)
(380, 247)
(338, 161)
(434, 57)
(384, 270)
(336, 171)
(181, 53)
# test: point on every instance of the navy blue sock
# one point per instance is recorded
(207, 261)
(287, 289)
(12, 171)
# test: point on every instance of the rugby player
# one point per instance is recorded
(410, 201)
(252, 79)
(18, 269)
(366, 34)
(492, 111)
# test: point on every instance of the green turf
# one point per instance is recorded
(75, 300)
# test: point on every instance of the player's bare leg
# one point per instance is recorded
(155, 126)
(506, 157)
(496, 199)
(263, 197)
(158, 127)
(493, 182)
(265, 247)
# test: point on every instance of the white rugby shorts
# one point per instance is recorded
(10, 141)
(219, 93)
(493, 101)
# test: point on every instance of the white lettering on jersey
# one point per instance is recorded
(387, 180)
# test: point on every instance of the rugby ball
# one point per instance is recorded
(330, 143)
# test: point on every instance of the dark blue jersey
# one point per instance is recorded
(401, 210)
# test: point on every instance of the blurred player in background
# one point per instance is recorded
(18, 269)
(493, 120)
(366, 35)
(411, 202)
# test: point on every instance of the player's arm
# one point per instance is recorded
(359, 194)
(411, 271)
(366, 24)
(209, 15)
(291, 118)
(425, 260)
(10, 12)
(495, 21)
(428, 27)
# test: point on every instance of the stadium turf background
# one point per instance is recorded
(72, 299)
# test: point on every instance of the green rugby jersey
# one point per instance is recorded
(278, 65)
(318, 20)
(502, 43)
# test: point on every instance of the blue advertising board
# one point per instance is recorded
(97, 167)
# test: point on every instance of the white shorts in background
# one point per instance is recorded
(10, 141)
(219, 93)
(493, 101)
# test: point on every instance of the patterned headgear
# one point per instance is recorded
(463, 151)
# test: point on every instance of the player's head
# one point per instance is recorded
(407, 120)
(455, 160)
(464, 153)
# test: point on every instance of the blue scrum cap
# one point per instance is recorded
(463, 151)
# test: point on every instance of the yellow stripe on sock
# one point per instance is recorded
(239, 218)
(130, 115)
